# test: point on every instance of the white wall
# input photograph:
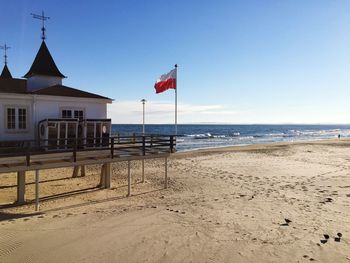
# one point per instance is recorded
(24, 101)
(51, 107)
(42, 107)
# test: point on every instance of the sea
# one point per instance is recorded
(202, 136)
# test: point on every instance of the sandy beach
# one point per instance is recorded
(258, 203)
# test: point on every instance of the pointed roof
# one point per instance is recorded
(44, 64)
(6, 74)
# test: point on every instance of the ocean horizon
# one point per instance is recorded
(203, 136)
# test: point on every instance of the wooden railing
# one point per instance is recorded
(117, 146)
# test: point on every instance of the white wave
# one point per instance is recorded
(246, 138)
(276, 134)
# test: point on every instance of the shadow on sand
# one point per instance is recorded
(41, 181)
(12, 216)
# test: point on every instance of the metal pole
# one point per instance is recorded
(129, 180)
(143, 116)
(36, 190)
(143, 119)
(143, 171)
(166, 173)
(143, 133)
(176, 102)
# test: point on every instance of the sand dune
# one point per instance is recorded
(262, 203)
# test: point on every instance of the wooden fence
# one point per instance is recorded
(115, 146)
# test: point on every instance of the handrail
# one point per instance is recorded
(143, 143)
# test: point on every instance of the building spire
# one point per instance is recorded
(5, 48)
(43, 18)
(44, 64)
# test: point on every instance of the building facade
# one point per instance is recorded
(40, 95)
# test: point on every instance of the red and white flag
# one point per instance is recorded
(166, 81)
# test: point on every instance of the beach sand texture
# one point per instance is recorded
(260, 203)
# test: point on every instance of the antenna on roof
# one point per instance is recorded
(43, 18)
(5, 48)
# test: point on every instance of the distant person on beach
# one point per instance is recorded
(339, 136)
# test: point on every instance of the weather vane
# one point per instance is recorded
(43, 18)
(5, 48)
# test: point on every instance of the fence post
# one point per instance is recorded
(36, 190)
(129, 180)
(143, 171)
(166, 173)
(107, 175)
(21, 187)
(112, 147)
(143, 145)
(171, 144)
(28, 154)
(75, 150)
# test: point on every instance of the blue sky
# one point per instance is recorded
(239, 61)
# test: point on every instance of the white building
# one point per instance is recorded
(41, 97)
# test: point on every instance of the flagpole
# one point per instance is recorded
(143, 116)
(176, 102)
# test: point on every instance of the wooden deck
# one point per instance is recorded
(24, 156)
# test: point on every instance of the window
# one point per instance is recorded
(16, 119)
(73, 113)
(11, 118)
(66, 114)
(79, 114)
(22, 119)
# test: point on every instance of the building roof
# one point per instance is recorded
(60, 90)
(10, 85)
(19, 86)
(44, 64)
(6, 74)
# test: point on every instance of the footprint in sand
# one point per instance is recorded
(324, 241)
(328, 200)
(337, 238)
(287, 222)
